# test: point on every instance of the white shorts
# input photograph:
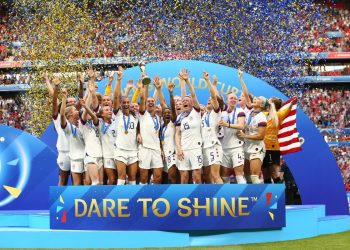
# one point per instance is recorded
(77, 166)
(212, 155)
(63, 161)
(109, 163)
(128, 157)
(93, 160)
(149, 158)
(233, 157)
(169, 161)
(251, 156)
(193, 159)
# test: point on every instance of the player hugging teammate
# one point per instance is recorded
(113, 140)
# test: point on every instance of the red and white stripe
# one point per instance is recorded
(288, 134)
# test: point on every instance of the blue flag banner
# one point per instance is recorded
(167, 207)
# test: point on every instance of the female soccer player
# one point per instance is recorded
(149, 149)
(167, 131)
(75, 138)
(233, 155)
(108, 133)
(91, 135)
(188, 137)
(254, 147)
(212, 150)
(126, 153)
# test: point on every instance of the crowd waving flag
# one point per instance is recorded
(288, 134)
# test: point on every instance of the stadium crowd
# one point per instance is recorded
(13, 113)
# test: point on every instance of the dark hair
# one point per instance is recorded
(277, 102)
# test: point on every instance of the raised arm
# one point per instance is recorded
(244, 89)
(81, 90)
(108, 89)
(56, 82)
(129, 86)
(92, 76)
(143, 92)
(212, 91)
(118, 89)
(185, 74)
(171, 87)
(182, 85)
(273, 113)
(63, 109)
(87, 110)
(158, 84)
(48, 83)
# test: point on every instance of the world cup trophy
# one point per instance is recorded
(146, 80)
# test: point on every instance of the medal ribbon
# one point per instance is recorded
(126, 124)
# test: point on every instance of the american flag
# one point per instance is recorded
(288, 134)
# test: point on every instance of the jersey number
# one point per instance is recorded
(131, 126)
(186, 126)
(199, 158)
(212, 156)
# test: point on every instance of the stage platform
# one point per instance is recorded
(31, 229)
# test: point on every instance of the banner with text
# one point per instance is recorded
(167, 207)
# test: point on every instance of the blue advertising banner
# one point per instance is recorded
(167, 207)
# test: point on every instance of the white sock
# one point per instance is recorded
(143, 183)
(120, 182)
(240, 179)
(225, 179)
(95, 183)
(132, 183)
(255, 179)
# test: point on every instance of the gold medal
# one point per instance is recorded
(156, 132)
(126, 132)
(209, 129)
(162, 142)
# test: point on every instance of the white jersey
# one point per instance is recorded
(210, 128)
(149, 128)
(62, 144)
(191, 124)
(230, 139)
(126, 131)
(77, 145)
(108, 135)
(168, 138)
(247, 111)
(254, 121)
(91, 136)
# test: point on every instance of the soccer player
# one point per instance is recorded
(245, 100)
(149, 149)
(253, 136)
(62, 145)
(188, 137)
(93, 149)
(75, 137)
(108, 134)
(212, 150)
(126, 152)
(233, 155)
(167, 132)
(275, 116)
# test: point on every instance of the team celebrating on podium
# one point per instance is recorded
(113, 140)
